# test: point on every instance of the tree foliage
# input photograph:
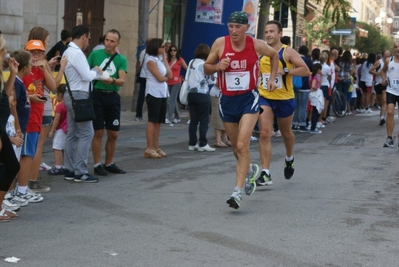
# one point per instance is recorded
(375, 42)
(336, 10)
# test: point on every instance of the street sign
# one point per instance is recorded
(350, 40)
(341, 32)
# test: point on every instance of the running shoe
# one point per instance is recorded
(289, 168)
(250, 185)
(264, 179)
(44, 167)
(235, 200)
(388, 143)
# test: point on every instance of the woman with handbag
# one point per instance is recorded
(157, 72)
(199, 103)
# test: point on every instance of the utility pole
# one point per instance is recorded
(144, 7)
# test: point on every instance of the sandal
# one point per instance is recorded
(228, 143)
(220, 145)
(4, 217)
(151, 154)
(161, 153)
(10, 213)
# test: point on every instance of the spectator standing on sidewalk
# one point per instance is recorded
(79, 134)
(142, 83)
(107, 102)
(174, 84)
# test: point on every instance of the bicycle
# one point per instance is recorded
(338, 103)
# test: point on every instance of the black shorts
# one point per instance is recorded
(392, 99)
(107, 107)
(156, 109)
(379, 88)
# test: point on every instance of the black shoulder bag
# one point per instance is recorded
(83, 108)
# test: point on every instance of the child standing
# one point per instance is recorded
(39, 77)
(316, 97)
(58, 132)
(20, 111)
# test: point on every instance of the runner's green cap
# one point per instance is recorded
(239, 17)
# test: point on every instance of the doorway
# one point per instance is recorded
(88, 12)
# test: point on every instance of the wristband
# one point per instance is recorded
(113, 80)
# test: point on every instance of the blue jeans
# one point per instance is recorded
(172, 102)
(301, 98)
(343, 86)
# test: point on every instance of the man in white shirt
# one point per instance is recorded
(80, 134)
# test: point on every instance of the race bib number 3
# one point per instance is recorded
(237, 81)
(266, 77)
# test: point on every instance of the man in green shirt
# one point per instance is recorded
(106, 101)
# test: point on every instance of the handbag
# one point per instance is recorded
(184, 86)
(83, 108)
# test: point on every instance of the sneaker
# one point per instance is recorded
(254, 139)
(264, 179)
(44, 167)
(235, 200)
(328, 121)
(87, 178)
(206, 148)
(368, 111)
(294, 128)
(167, 121)
(303, 129)
(100, 170)
(315, 131)
(358, 110)
(382, 121)
(114, 169)
(250, 185)
(30, 197)
(68, 175)
(139, 119)
(289, 168)
(9, 204)
(176, 120)
(320, 125)
(192, 148)
(37, 188)
(277, 134)
(308, 127)
(388, 143)
(55, 171)
(19, 201)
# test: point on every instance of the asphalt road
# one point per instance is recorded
(341, 208)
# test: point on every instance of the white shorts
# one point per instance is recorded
(59, 140)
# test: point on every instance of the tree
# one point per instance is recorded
(375, 42)
(336, 10)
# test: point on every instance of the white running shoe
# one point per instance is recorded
(44, 167)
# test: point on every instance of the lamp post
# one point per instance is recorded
(382, 20)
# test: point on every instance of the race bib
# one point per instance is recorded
(237, 81)
(279, 79)
(395, 82)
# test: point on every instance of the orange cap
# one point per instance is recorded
(34, 45)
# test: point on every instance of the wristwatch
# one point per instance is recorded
(286, 71)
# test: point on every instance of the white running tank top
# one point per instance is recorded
(393, 77)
